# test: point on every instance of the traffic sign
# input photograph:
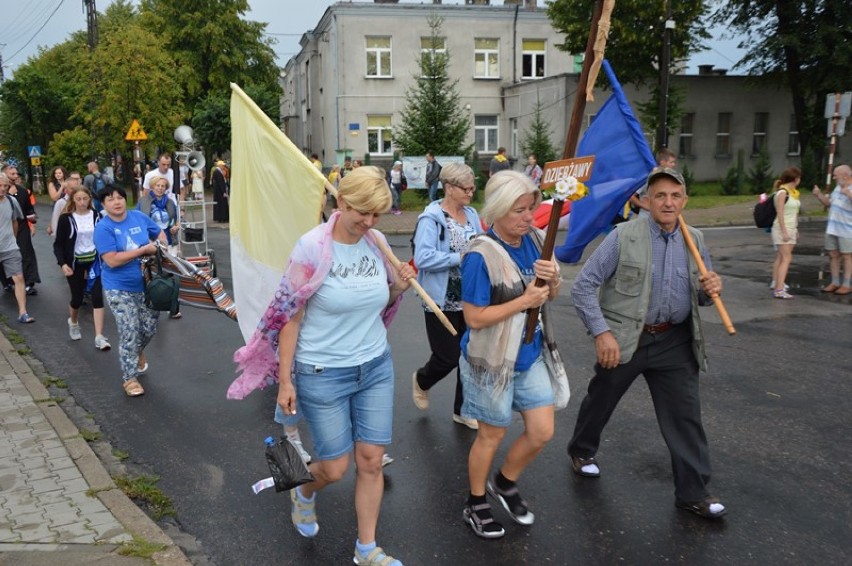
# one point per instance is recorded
(34, 150)
(136, 133)
(35, 160)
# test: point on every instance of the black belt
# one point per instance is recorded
(657, 328)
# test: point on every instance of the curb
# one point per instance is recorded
(92, 469)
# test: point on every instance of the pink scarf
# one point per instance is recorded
(308, 266)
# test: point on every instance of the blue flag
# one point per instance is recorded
(622, 163)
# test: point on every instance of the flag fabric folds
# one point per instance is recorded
(622, 163)
(276, 196)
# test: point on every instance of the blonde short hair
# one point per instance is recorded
(503, 190)
(155, 179)
(457, 174)
(366, 190)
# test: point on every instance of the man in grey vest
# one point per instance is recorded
(638, 295)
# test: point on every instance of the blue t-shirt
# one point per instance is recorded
(135, 231)
(476, 290)
(342, 326)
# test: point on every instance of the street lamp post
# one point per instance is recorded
(665, 59)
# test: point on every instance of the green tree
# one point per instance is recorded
(433, 118)
(70, 148)
(804, 46)
(635, 44)
(129, 76)
(211, 119)
(760, 176)
(537, 137)
(212, 43)
(40, 99)
(636, 36)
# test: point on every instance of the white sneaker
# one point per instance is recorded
(386, 460)
(472, 424)
(303, 454)
(74, 330)
(421, 397)
(101, 342)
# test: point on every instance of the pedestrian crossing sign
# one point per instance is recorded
(136, 133)
(34, 150)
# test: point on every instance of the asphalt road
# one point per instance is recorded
(776, 406)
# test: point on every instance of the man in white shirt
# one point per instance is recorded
(164, 169)
(838, 231)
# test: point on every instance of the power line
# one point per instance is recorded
(26, 20)
(38, 30)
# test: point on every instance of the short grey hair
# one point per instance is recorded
(503, 190)
(457, 174)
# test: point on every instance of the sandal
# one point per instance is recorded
(579, 464)
(709, 508)
(133, 388)
(783, 295)
(376, 557)
(26, 319)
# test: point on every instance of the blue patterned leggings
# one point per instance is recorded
(137, 324)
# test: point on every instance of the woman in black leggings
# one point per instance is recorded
(75, 253)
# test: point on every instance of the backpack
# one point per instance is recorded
(98, 184)
(764, 212)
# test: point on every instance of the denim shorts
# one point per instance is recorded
(344, 405)
(843, 245)
(527, 390)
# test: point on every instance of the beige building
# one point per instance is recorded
(344, 92)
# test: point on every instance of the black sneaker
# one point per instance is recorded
(512, 502)
(482, 522)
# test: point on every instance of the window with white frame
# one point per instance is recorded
(485, 133)
(687, 123)
(793, 147)
(378, 57)
(433, 47)
(379, 135)
(761, 126)
(532, 59)
(486, 58)
(723, 134)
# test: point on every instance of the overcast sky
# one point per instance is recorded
(29, 24)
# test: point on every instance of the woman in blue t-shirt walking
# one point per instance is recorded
(500, 373)
(122, 237)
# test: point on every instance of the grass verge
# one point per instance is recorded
(143, 490)
(140, 548)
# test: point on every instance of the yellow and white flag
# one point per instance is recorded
(276, 196)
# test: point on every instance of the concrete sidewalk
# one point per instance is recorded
(58, 504)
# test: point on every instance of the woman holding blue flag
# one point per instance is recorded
(74, 248)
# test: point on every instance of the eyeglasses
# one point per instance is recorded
(468, 190)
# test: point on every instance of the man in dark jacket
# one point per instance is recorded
(433, 172)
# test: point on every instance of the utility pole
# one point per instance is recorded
(665, 61)
(91, 23)
(2, 76)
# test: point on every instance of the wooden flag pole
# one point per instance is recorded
(417, 288)
(702, 269)
(569, 151)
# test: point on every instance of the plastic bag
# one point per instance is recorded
(287, 467)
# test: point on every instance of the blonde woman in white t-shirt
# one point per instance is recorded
(74, 248)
